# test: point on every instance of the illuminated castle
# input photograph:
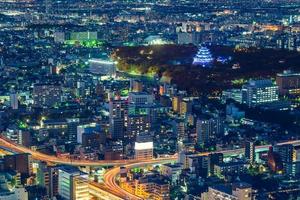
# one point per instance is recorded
(203, 57)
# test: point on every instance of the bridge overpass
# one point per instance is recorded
(102, 192)
(112, 187)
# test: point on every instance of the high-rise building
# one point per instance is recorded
(185, 107)
(46, 95)
(143, 147)
(53, 181)
(137, 124)
(286, 152)
(176, 101)
(288, 83)
(207, 129)
(117, 114)
(72, 125)
(258, 92)
(285, 158)
(47, 176)
(250, 151)
(14, 103)
(179, 129)
(43, 176)
(72, 184)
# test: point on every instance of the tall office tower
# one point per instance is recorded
(136, 86)
(47, 176)
(207, 129)
(117, 114)
(258, 92)
(250, 151)
(21, 163)
(72, 185)
(289, 156)
(14, 103)
(286, 152)
(179, 129)
(137, 124)
(46, 95)
(72, 125)
(43, 176)
(139, 113)
(288, 83)
(53, 181)
(176, 100)
(143, 147)
(185, 107)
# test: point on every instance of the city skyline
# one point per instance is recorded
(145, 99)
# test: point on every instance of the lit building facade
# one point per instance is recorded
(14, 103)
(176, 101)
(117, 114)
(258, 92)
(143, 147)
(207, 129)
(148, 188)
(46, 95)
(137, 124)
(250, 151)
(140, 98)
(236, 191)
(102, 67)
(72, 185)
(288, 83)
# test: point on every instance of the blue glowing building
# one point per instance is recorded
(203, 57)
